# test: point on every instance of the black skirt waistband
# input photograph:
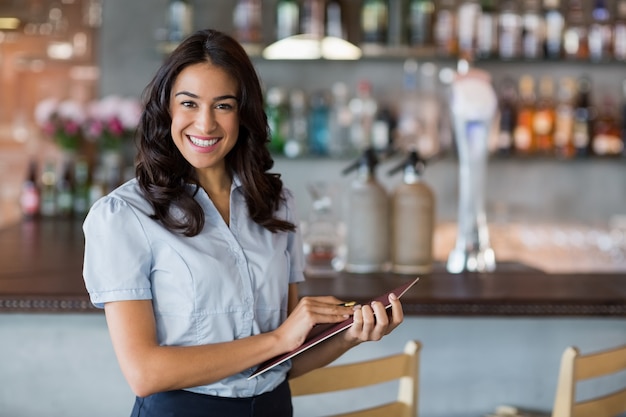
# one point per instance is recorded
(181, 403)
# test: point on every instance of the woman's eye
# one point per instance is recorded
(224, 106)
(188, 104)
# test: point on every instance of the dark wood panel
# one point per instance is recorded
(41, 271)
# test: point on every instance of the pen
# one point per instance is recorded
(347, 304)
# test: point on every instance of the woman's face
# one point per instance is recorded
(205, 115)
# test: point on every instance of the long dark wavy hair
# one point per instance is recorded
(162, 171)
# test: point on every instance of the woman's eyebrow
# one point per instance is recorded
(218, 98)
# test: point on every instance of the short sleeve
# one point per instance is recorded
(295, 244)
(118, 256)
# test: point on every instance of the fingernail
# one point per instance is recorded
(393, 297)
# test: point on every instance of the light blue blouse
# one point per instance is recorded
(225, 283)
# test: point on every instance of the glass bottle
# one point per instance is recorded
(408, 129)
(81, 187)
(180, 20)
(606, 139)
(509, 30)
(319, 115)
(312, 17)
(429, 111)
(321, 236)
(583, 117)
(48, 190)
(544, 117)
(623, 117)
(523, 134)
(564, 121)
(397, 23)
(487, 35)
(600, 32)
(554, 24)
(575, 43)
(532, 30)
(339, 122)
(30, 197)
(421, 18)
(298, 125)
(468, 13)
(374, 21)
(363, 108)
(287, 18)
(335, 20)
(445, 33)
(367, 225)
(65, 191)
(382, 127)
(247, 21)
(508, 116)
(412, 219)
(619, 31)
(277, 118)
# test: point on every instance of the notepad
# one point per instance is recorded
(322, 332)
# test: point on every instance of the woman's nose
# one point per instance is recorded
(206, 121)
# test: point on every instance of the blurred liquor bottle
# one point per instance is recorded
(339, 122)
(606, 138)
(468, 14)
(523, 134)
(247, 21)
(623, 118)
(297, 140)
(81, 187)
(564, 122)
(507, 97)
(374, 22)
(30, 196)
(287, 18)
(364, 108)
(487, 35)
(179, 20)
(312, 18)
(397, 23)
(509, 30)
(408, 129)
(336, 21)
(575, 35)
(533, 30)
(619, 31)
(421, 20)
(319, 122)
(48, 206)
(277, 118)
(429, 111)
(544, 117)
(600, 32)
(65, 191)
(554, 25)
(445, 33)
(583, 117)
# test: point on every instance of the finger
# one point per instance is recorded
(380, 312)
(357, 320)
(397, 313)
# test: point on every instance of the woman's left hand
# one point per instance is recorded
(372, 322)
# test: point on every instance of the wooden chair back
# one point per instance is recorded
(576, 367)
(403, 367)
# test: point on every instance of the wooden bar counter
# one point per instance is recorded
(41, 271)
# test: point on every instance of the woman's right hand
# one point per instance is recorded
(309, 312)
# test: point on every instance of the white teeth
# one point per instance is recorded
(202, 142)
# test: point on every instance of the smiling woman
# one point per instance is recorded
(196, 261)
